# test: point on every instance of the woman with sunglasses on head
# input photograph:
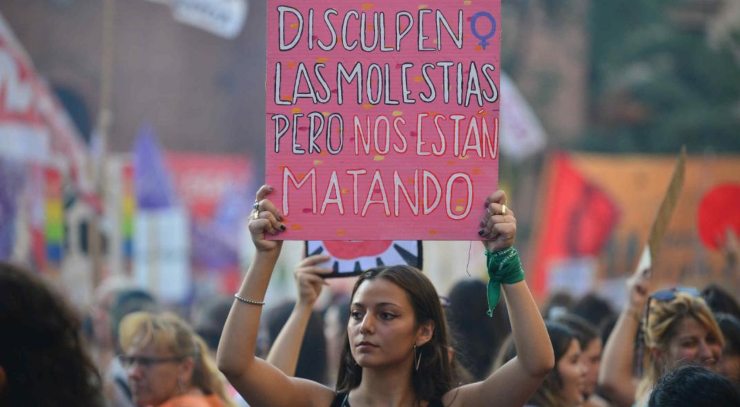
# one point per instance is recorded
(396, 351)
(168, 364)
(677, 328)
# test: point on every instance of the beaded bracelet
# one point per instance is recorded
(248, 301)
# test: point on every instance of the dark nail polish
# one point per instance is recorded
(481, 232)
(282, 227)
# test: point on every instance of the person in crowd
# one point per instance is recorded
(168, 364)
(476, 337)
(43, 361)
(694, 386)
(563, 386)
(729, 363)
(396, 352)
(591, 348)
(719, 300)
(98, 323)
(677, 327)
(594, 309)
(209, 318)
(311, 361)
(115, 381)
(336, 318)
(557, 304)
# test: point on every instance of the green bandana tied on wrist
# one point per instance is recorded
(504, 267)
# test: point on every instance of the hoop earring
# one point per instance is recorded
(180, 386)
(417, 360)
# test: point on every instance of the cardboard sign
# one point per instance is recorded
(382, 117)
(663, 217)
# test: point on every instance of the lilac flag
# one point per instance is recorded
(154, 189)
(214, 242)
(12, 178)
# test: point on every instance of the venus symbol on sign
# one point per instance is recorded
(473, 27)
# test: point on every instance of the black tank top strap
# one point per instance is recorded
(339, 400)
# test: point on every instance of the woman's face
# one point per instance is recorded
(154, 376)
(382, 327)
(573, 375)
(693, 343)
(591, 359)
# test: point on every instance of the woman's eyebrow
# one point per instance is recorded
(378, 304)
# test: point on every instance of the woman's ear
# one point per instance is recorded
(425, 333)
(186, 369)
(657, 354)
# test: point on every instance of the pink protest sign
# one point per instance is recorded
(382, 117)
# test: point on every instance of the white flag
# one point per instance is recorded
(521, 131)
(224, 18)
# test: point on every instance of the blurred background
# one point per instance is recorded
(132, 141)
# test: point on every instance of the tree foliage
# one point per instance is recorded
(656, 83)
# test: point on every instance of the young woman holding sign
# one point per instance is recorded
(396, 348)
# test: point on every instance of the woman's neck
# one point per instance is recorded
(384, 387)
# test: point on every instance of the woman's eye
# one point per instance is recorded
(356, 315)
(387, 316)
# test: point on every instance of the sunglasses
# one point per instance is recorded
(666, 295)
(670, 294)
(147, 361)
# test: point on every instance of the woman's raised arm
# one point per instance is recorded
(286, 348)
(517, 380)
(256, 380)
(615, 373)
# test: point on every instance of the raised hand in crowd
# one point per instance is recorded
(285, 349)
(616, 374)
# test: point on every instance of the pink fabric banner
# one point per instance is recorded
(382, 117)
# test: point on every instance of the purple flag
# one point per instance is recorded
(12, 178)
(154, 189)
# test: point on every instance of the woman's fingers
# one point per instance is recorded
(263, 192)
(314, 260)
(313, 279)
(269, 223)
(501, 231)
(264, 210)
(498, 197)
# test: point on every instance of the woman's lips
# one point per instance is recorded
(364, 345)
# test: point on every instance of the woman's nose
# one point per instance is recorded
(367, 324)
(705, 351)
(134, 371)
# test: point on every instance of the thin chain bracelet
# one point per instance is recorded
(248, 301)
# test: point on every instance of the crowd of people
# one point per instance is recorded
(394, 341)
